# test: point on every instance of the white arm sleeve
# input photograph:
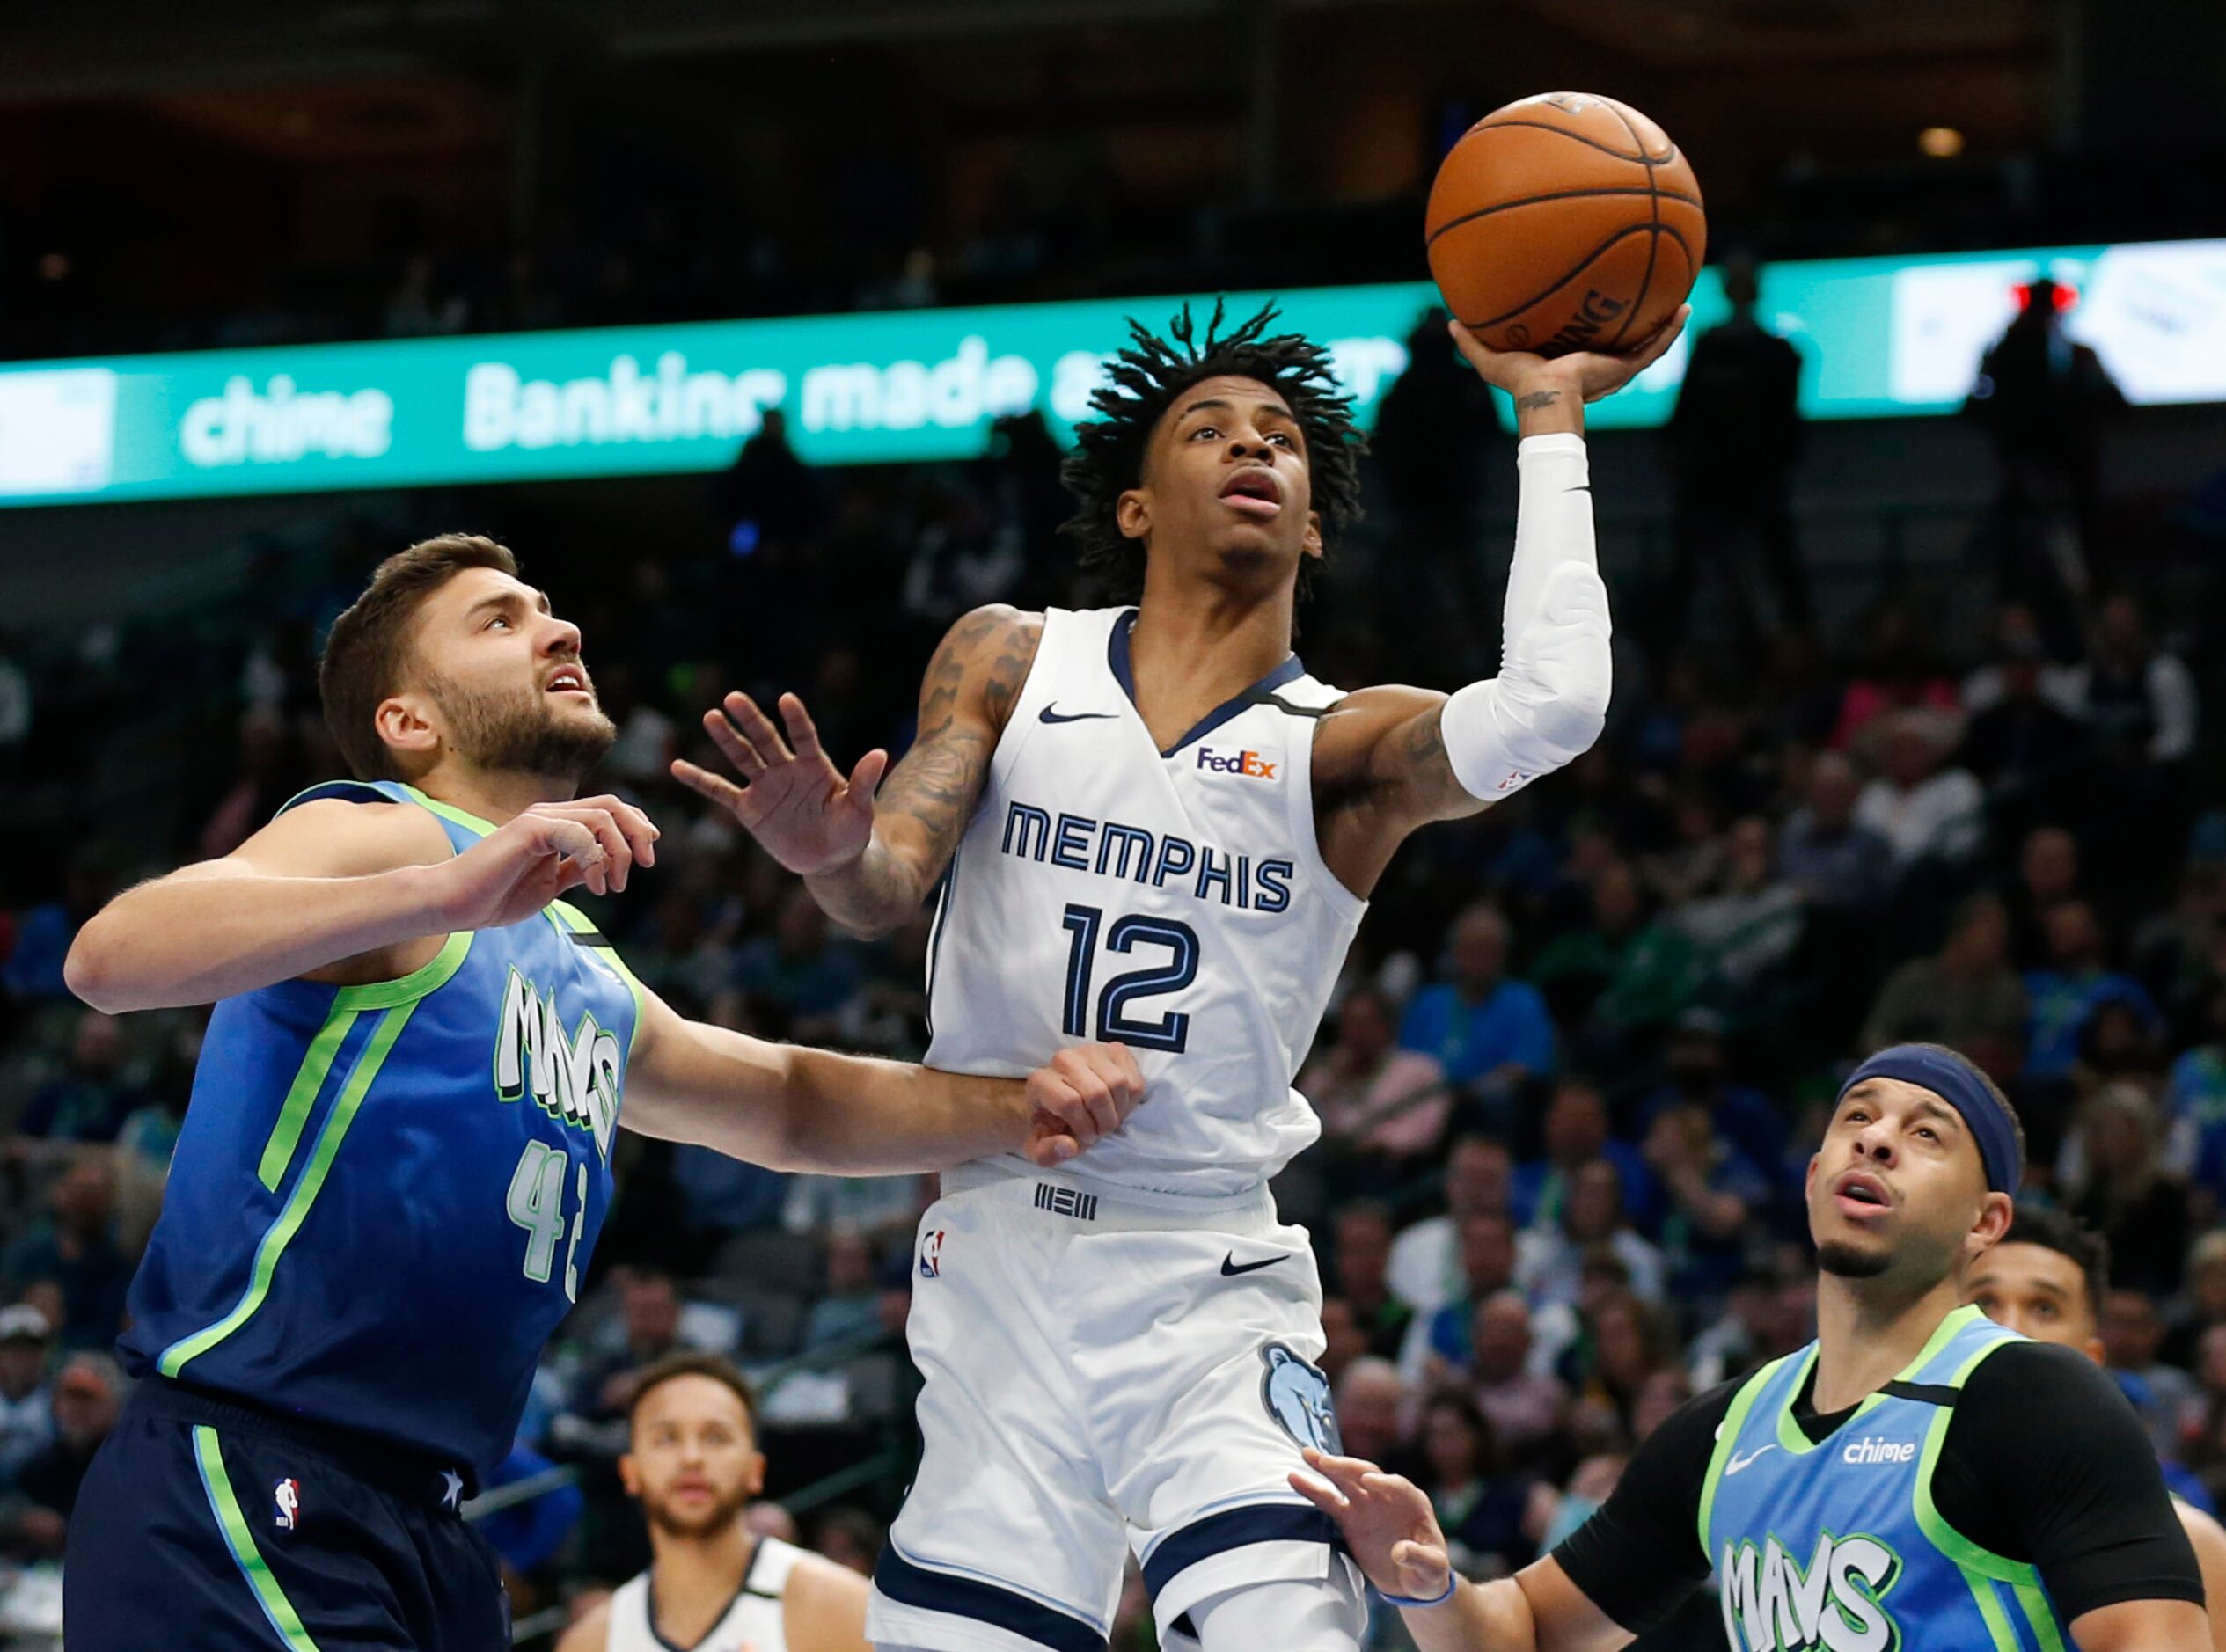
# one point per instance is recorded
(1549, 701)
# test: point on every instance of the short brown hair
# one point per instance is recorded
(721, 1370)
(365, 650)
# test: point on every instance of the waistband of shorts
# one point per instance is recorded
(413, 1475)
(1100, 1208)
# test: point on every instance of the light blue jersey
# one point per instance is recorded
(1836, 1545)
(384, 1196)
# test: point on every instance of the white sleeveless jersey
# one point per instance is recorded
(1175, 901)
(751, 1623)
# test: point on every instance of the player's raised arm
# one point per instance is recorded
(340, 891)
(871, 861)
(788, 1107)
(1390, 759)
(1394, 1538)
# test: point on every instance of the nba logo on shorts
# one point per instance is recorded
(931, 1254)
(287, 1494)
(1296, 1396)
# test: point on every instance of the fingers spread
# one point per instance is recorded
(756, 728)
(801, 730)
(741, 751)
(866, 777)
(717, 787)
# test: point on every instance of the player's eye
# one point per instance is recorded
(1928, 1132)
(1205, 430)
(1282, 436)
(2045, 1310)
(499, 619)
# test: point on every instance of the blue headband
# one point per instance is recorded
(1963, 1088)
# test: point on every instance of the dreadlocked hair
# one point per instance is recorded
(1142, 383)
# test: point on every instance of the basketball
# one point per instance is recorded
(1564, 222)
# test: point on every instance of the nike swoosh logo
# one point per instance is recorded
(1739, 1462)
(1050, 715)
(1230, 1270)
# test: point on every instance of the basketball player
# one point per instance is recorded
(1918, 1477)
(1151, 825)
(397, 1156)
(713, 1584)
(2045, 1280)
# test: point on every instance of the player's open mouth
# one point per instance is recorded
(567, 680)
(1256, 493)
(1862, 1197)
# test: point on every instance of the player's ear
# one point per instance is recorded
(1132, 513)
(1994, 1214)
(1312, 543)
(753, 1477)
(629, 1476)
(1808, 1180)
(406, 723)
(2096, 1351)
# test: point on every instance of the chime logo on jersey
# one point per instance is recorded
(574, 1077)
(1245, 762)
(1834, 1604)
(287, 1497)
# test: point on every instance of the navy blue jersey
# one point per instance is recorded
(383, 1196)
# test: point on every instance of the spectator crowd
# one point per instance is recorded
(1568, 1085)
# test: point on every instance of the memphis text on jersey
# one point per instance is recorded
(1081, 844)
(573, 1077)
(1836, 1602)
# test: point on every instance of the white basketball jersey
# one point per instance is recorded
(753, 1623)
(1173, 901)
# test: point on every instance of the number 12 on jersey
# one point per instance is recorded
(1084, 925)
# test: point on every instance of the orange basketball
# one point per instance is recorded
(1563, 222)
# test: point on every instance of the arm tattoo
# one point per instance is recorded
(1429, 772)
(936, 784)
(1536, 399)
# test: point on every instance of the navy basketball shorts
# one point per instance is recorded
(206, 1523)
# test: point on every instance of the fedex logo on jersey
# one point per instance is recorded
(1834, 1604)
(574, 1077)
(1248, 763)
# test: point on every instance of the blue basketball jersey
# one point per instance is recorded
(383, 1196)
(1836, 1545)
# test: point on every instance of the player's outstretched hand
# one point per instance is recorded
(1590, 374)
(1387, 1521)
(794, 800)
(520, 867)
(1078, 1098)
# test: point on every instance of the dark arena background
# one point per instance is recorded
(758, 328)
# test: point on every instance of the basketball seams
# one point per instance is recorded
(1642, 157)
(1560, 281)
(1559, 195)
(1654, 236)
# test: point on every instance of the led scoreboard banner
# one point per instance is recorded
(1879, 337)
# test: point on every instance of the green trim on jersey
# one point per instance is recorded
(239, 1537)
(281, 1232)
(1980, 1565)
(1789, 1434)
(316, 1064)
(301, 1096)
(449, 811)
(565, 916)
(1727, 1435)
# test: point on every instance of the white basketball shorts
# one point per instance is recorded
(1099, 1374)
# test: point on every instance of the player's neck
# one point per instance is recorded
(692, 1578)
(1200, 645)
(1867, 1331)
(491, 795)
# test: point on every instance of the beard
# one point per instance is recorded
(721, 1513)
(1851, 1262)
(522, 733)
